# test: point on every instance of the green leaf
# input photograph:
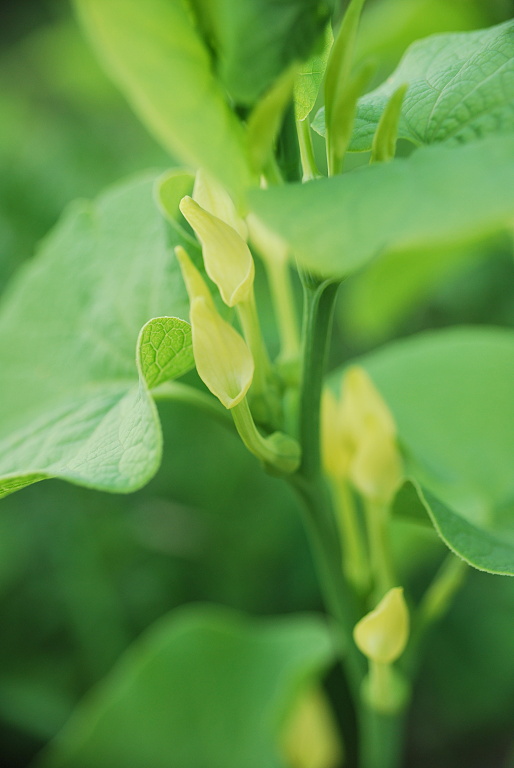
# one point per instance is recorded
(165, 350)
(157, 58)
(169, 190)
(256, 40)
(461, 87)
(309, 77)
(334, 226)
(72, 404)
(451, 395)
(204, 687)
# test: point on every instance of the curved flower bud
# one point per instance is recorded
(310, 738)
(336, 451)
(382, 634)
(213, 198)
(223, 360)
(227, 258)
(195, 284)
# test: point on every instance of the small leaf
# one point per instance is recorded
(235, 679)
(461, 87)
(334, 226)
(451, 395)
(165, 350)
(386, 135)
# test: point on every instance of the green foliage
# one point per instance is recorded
(461, 87)
(165, 350)
(157, 58)
(334, 226)
(72, 404)
(256, 40)
(232, 679)
(451, 395)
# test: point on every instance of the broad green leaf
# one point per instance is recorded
(165, 350)
(309, 77)
(461, 87)
(334, 226)
(157, 58)
(204, 687)
(380, 297)
(451, 395)
(72, 403)
(256, 40)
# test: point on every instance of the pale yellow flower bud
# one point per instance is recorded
(311, 738)
(213, 198)
(367, 424)
(223, 360)
(195, 284)
(336, 451)
(382, 634)
(227, 258)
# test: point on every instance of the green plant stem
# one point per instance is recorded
(381, 738)
(247, 313)
(434, 605)
(278, 452)
(283, 302)
(309, 167)
(319, 299)
(355, 561)
(183, 393)
(377, 518)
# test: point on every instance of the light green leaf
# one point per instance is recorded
(157, 58)
(256, 40)
(165, 350)
(72, 403)
(309, 77)
(334, 226)
(461, 87)
(169, 190)
(234, 679)
(451, 395)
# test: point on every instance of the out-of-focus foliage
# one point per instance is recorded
(82, 573)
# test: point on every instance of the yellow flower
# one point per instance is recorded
(360, 439)
(382, 634)
(222, 358)
(227, 258)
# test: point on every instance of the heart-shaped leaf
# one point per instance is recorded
(233, 679)
(73, 404)
(460, 87)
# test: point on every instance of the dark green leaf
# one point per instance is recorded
(205, 688)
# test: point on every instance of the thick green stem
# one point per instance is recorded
(381, 738)
(319, 299)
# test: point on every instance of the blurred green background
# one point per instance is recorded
(83, 573)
